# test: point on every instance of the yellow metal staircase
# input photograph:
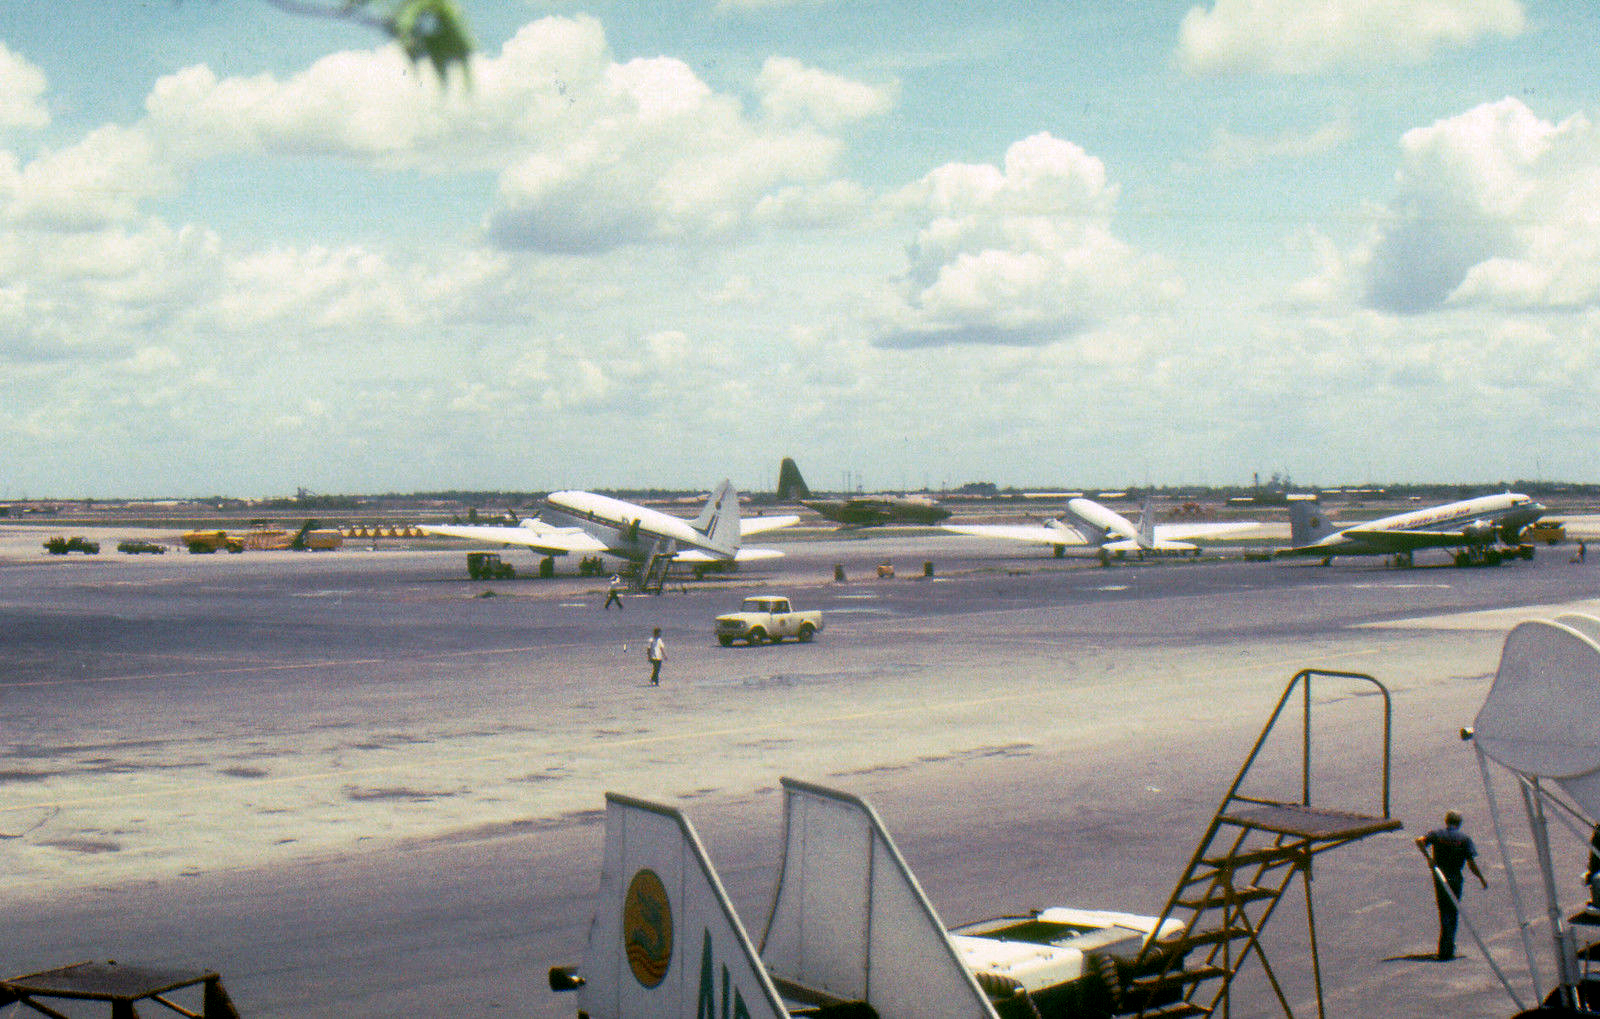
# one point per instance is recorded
(1251, 853)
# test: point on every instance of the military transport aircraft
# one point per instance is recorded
(859, 510)
(1090, 523)
(1473, 529)
(588, 523)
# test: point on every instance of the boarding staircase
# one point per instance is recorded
(1251, 853)
(652, 578)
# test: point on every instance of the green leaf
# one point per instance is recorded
(432, 29)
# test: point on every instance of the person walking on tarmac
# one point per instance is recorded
(614, 593)
(1448, 849)
(656, 652)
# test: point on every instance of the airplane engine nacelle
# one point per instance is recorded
(1481, 532)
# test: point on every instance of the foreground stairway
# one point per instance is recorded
(1251, 853)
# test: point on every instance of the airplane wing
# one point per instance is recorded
(1182, 532)
(1020, 532)
(531, 534)
(1405, 541)
(760, 525)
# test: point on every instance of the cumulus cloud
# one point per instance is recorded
(1496, 206)
(22, 88)
(1232, 151)
(661, 156)
(1311, 36)
(591, 154)
(100, 181)
(794, 93)
(1020, 254)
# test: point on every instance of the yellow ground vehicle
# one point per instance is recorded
(1548, 531)
(262, 537)
(206, 542)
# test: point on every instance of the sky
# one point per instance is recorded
(911, 244)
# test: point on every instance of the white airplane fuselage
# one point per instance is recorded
(625, 526)
(1476, 522)
(1115, 533)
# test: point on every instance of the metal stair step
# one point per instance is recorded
(1227, 896)
(1175, 1010)
(1254, 857)
(1195, 939)
(1176, 978)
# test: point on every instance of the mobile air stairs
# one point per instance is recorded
(1253, 850)
(652, 577)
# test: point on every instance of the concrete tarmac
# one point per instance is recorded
(356, 785)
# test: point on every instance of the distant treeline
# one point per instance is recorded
(987, 490)
(490, 502)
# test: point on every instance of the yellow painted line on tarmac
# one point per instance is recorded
(182, 675)
(271, 667)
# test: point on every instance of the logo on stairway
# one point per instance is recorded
(647, 928)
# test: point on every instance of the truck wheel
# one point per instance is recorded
(807, 631)
(757, 636)
(725, 641)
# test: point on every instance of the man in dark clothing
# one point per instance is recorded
(1449, 850)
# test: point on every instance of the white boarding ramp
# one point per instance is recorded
(1539, 718)
(665, 943)
(850, 923)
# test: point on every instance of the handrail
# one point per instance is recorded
(1306, 676)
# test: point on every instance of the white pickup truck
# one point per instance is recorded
(767, 618)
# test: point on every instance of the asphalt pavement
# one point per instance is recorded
(360, 783)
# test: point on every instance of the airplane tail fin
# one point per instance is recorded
(1147, 525)
(665, 940)
(1307, 523)
(791, 485)
(850, 920)
(719, 520)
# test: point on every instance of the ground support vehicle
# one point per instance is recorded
(1490, 556)
(61, 546)
(141, 547)
(767, 618)
(1551, 532)
(488, 566)
(207, 542)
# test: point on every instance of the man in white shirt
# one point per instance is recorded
(656, 652)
